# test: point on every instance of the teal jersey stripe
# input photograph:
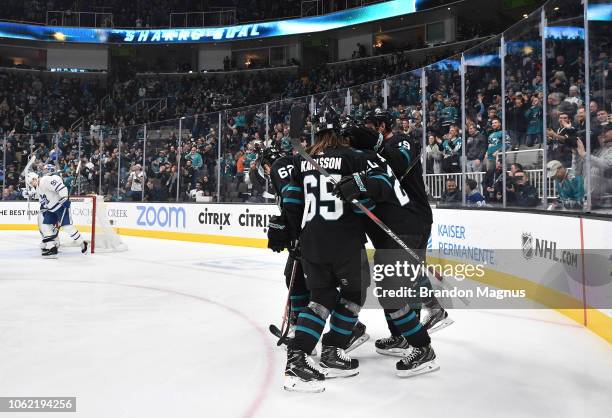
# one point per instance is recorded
(340, 330)
(313, 318)
(405, 320)
(300, 297)
(345, 318)
(412, 331)
(291, 200)
(406, 154)
(289, 187)
(308, 331)
(385, 178)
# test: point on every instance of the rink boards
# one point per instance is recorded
(563, 261)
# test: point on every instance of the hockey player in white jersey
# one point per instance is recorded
(54, 213)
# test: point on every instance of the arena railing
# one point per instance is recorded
(541, 162)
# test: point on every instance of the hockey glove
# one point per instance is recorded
(278, 234)
(295, 250)
(365, 138)
(350, 187)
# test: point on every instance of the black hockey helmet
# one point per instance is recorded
(326, 120)
(377, 117)
(269, 155)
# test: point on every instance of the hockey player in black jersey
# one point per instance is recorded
(332, 239)
(409, 216)
(403, 154)
(278, 164)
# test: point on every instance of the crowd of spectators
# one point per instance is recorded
(37, 110)
(32, 105)
(566, 115)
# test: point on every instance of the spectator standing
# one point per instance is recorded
(493, 181)
(434, 155)
(534, 119)
(135, 182)
(561, 142)
(476, 147)
(240, 164)
(601, 169)
(451, 150)
(448, 114)
(196, 159)
(494, 143)
(516, 122)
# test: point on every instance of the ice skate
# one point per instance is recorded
(419, 360)
(335, 363)
(392, 346)
(301, 374)
(436, 319)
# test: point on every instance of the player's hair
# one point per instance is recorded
(328, 139)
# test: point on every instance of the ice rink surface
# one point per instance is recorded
(175, 329)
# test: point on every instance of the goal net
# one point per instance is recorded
(89, 215)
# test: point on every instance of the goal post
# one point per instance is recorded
(89, 215)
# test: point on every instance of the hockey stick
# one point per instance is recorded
(282, 333)
(28, 166)
(24, 174)
(284, 329)
(435, 273)
(298, 147)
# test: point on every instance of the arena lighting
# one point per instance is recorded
(304, 25)
(564, 32)
(600, 12)
(490, 60)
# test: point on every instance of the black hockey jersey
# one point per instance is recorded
(280, 174)
(330, 227)
(400, 153)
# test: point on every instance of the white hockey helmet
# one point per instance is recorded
(49, 169)
(30, 177)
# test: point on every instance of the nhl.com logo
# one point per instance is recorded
(527, 245)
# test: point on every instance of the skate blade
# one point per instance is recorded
(331, 373)
(295, 384)
(49, 257)
(395, 352)
(441, 325)
(430, 366)
(359, 341)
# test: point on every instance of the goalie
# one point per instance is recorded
(54, 212)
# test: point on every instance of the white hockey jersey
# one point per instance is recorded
(52, 193)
